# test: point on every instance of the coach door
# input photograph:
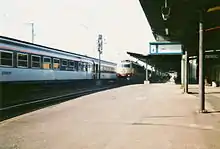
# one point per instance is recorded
(96, 71)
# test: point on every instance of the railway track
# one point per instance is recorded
(22, 108)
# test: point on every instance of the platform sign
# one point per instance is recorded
(165, 48)
(213, 56)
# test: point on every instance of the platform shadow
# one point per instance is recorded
(193, 93)
(216, 111)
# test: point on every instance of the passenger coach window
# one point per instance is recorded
(56, 63)
(76, 66)
(126, 65)
(85, 68)
(64, 62)
(101, 68)
(47, 63)
(6, 58)
(35, 61)
(90, 67)
(80, 66)
(22, 60)
(72, 65)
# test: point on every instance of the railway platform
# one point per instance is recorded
(212, 95)
(143, 116)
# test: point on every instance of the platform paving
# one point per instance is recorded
(145, 116)
(212, 95)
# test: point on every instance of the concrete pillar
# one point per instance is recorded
(186, 73)
(146, 78)
(201, 69)
(182, 70)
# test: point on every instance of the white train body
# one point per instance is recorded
(130, 70)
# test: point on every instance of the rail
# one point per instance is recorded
(56, 97)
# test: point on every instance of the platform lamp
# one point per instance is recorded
(165, 11)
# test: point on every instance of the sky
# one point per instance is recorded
(74, 25)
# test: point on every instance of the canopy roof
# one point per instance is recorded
(183, 22)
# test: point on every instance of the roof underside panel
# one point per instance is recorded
(183, 23)
(163, 62)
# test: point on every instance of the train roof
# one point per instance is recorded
(130, 61)
(28, 44)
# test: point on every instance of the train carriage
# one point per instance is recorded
(22, 61)
(25, 67)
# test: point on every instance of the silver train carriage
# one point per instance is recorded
(25, 62)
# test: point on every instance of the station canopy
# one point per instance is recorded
(163, 62)
(181, 24)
